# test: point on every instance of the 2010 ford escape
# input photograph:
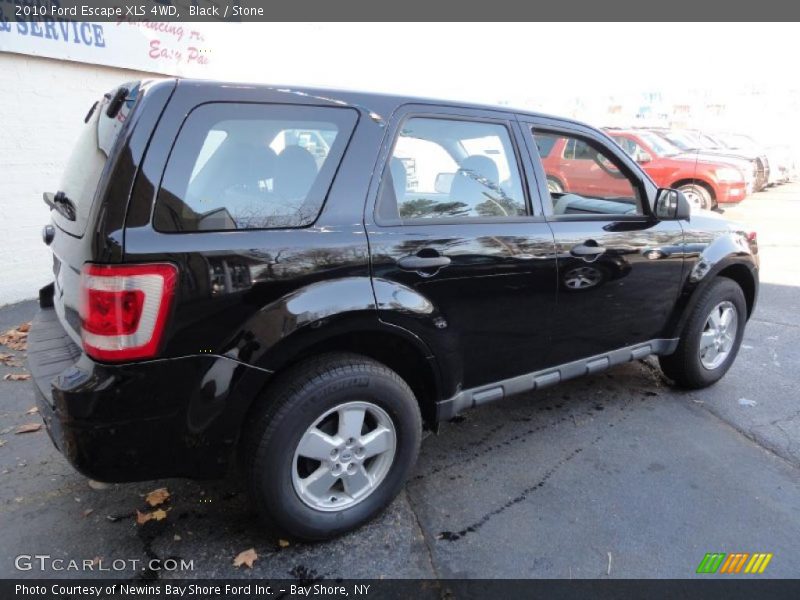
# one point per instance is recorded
(299, 280)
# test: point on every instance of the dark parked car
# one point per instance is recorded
(228, 290)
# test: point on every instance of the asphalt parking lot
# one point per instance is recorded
(616, 475)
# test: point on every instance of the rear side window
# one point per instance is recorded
(444, 168)
(251, 166)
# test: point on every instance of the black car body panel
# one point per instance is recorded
(250, 303)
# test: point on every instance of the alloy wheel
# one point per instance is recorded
(344, 456)
(718, 335)
(581, 278)
(695, 198)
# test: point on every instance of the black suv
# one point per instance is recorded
(247, 275)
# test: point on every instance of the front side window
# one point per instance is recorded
(445, 168)
(249, 166)
(584, 178)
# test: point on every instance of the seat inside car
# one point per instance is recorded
(477, 175)
(237, 165)
(295, 173)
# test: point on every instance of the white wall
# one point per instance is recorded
(42, 105)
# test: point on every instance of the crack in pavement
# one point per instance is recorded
(452, 536)
(425, 540)
(777, 323)
(520, 437)
(750, 435)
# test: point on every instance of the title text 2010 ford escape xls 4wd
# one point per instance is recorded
(246, 272)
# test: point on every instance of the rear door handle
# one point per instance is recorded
(419, 263)
(587, 251)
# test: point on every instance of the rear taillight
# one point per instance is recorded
(124, 309)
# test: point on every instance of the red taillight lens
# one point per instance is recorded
(124, 309)
(113, 313)
(752, 236)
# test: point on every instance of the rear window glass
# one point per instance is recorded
(251, 166)
(89, 155)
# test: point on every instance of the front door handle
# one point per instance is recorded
(587, 250)
(420, 263)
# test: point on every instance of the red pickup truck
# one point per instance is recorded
(705, 183)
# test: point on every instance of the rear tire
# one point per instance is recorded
(307, 434)
(711, 337)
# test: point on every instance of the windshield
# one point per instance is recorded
(737, 141)
(706, 141)
(88, 158)
(682, 141)
(658, 144)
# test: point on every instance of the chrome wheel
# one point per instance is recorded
(695, 197)
(581, 278)
(719, 335)
(344, 456)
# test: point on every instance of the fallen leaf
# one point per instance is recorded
(32, 411)
(28, 428)
(176, 537)
(156, 515)
(17, 377)
(87, 512)
(17, 338)
(247, 558)
(283, 543)
(157, 497)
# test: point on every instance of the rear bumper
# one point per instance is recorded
(163, 418)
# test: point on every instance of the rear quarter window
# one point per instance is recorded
(251, 166)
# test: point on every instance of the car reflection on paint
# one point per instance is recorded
(580, 275)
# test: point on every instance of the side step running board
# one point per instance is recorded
(447, 409)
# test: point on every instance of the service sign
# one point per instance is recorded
(139, 41)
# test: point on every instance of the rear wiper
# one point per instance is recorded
(61, 203)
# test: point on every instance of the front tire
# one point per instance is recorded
(554, 186)
(711, 338)
(697, 195)
(332, 446)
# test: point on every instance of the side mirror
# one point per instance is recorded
(671, 205)
(643, 157)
